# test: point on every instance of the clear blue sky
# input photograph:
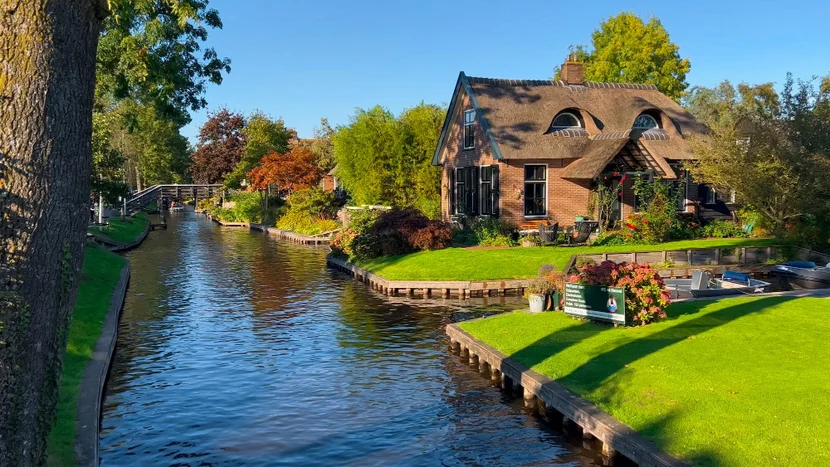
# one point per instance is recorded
(310, 59)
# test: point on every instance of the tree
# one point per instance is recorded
(724, 104)
(322, 145)
(47, 49)
(386, 160)
(221, 142)
(291, 171)
(263, 135)
(775, 162)
(107, 162)
(627, 50)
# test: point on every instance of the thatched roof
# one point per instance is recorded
(517, 114)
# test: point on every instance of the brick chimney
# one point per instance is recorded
(573, 72)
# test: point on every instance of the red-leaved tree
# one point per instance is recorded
(294, 170)
(221, 142)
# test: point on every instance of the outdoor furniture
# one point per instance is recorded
(548, 234)
(582, 232)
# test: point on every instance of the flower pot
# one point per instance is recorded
(537, 302)
(528, 243)
(553, 300)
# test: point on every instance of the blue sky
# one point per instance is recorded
(310, 59)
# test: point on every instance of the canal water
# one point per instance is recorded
(239, 349)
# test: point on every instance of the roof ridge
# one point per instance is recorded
(561, 83)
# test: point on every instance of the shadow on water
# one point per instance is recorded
(238, 349)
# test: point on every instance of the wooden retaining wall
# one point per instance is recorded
(460, 289)
(292, 236)
(557, 404)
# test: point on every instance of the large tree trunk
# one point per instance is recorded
(47, 79)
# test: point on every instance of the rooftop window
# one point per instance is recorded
(646, 122)
(565, 120)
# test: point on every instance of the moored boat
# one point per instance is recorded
(703, 284)
(802, 275)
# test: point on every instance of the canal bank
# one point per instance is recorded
(237, 348)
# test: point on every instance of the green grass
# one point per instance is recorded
(120, 230)
(515, 263)
(99, 277)
(740, 381)
(152, 207)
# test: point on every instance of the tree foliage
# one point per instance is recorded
(774, 155)
(220, 147)
(386, 160)
(721, 105)
(322, 145)
(263, 135)
(107, 162)
(291, 171)
(625, 49)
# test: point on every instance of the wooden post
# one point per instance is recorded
(743, 255)
(483, 367)
(507, 383)
(473, 360)
(689, 255)
(634, 257)
(608, 451)
(529, 399)
(717, 256)
(665, 256)
(495, 375)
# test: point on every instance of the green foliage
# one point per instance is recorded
(248, 207)
(365, 247)
(222, 142)
(611, 239)
(305, 224)
(310, 212)
(490, 231)
(107, 162)
(627, 50)
(386, 160)
(722, 229)
(322, 145)
(725, 105)
(263, 135)
(657, 218)
(363, 219)
(341, 243)
(773, 157)
(603, 198)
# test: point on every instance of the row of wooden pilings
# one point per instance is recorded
(532, 403)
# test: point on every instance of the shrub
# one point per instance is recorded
(365, 247)
(492, 232)
(646, 297)
(362, 220)
(396, 230)
(611, 239)
(722, 229)
(315, 202)
(435, 236)
(341, 243)
(302, 223)
(537, 286)
(248, 207)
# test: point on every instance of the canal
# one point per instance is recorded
(239, 349)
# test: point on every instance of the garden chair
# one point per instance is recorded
(582, 232)
(548, 233)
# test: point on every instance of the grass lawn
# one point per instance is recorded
(741, 381)
(99, 277)
(122, 230)
(515, 263)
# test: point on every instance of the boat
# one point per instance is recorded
(703, 284)
(177, 207)
(802, 275)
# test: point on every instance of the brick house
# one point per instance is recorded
(532, 150)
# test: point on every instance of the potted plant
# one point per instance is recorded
(536, 292)
(531, 239)
(556, 285)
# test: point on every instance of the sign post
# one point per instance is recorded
(597, 302)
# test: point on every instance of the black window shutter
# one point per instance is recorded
(475, 184)
(494, 190)
(451, 196)
(702, 192)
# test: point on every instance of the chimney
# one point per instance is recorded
(573, 71)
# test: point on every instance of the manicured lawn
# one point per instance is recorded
(99, 277)
(122, 230)
(514, 263)
(741, 381)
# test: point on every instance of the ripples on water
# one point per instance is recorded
(238, 349)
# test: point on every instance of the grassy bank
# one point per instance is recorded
(100, 274)
(733, 382)
(515, 263)
(120, 230)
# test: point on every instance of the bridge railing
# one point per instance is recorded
(154, 193)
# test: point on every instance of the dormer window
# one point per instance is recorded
(469, 129)
(565, 120)
(646, 122)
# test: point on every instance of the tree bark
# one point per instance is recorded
(47, 79)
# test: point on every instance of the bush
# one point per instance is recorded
(646, 297)
(365, 247)
(362, 220)
(611, 239)
(721, 229)
(304, 224)
(341, 243)
(315, 202)
(490, 231)
(435, 236)
(248, 207)
(396, 230)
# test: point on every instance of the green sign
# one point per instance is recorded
(596, 302)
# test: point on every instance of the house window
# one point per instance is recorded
(536, 188)
(469, 129)
(711, 195)
(681, 190)
(486, 191)
(645, 122)
(460, 204)
(565, 120)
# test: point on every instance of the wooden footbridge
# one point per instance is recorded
(155, 193)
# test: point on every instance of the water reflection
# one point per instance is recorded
(237, 349)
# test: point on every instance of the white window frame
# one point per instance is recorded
(471, 125)
(547, 195)
(643, 128)
(711, 196)
(561, 127)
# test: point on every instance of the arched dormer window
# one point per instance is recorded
(646, 121)
(567, 119)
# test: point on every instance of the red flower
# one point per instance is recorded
(645, 222)
(616, 174)
(630, 226)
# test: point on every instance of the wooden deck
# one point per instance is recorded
(556, 404)
(460, 289)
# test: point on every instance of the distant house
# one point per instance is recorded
(532, 150)
(329, 182)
